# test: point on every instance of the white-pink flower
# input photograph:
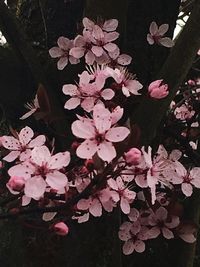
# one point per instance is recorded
(158, 90)
(187, 179)
(22, 145)
(161, 222)
(126, 80)
(156, 35)
(184, 112)
(62, 52)
(122, 193)
(87, 93)
(100, 134)
(134, 238)
(42, 170)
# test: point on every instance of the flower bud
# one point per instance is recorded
(133, 156)
(158, 90)
(61, 228)
(16, 183)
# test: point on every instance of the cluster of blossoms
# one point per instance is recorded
(106, 174)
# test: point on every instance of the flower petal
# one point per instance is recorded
(35, 187)
(87, 149)
(56, 180)
(117, 134)
(106, 151)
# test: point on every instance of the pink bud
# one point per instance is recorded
(133, 156)
(158, 90)
(16, 183)
(61, 228)
(191, 82)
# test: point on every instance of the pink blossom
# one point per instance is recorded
(100, 134)
(42, 170)
(62, 52)
(126, 80)
(22, 145)
(61, 228)
(122, 193)
(162, 223)
(158, 90)
(156, 35)
(119, 59)
(187, 179)
(184, 112)
(87, 93)
(134, 238)
(133, 156)
(95, 203)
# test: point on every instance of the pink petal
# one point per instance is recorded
(133, 215)
(73, 60)
(167, 42)
(110, 25)
(153, 28)
(187, 189)
(134, 86)
(150, 39)
(125, 206)
(163, 29)
(110, 47)
(97, 33)
(63, 43)
(117, 114)
(79, 41)
(77, 52)
(124, 235)
(84, 204)
(25, 200)
(97, 50)
(89, 58)
(59, 160)
(107, 94)
(10, 142)
(106, 151)
(35, 187)
(124, 59)
(70, 89)
(72, 103)
(12, 156)
(117, 134)
(21, 171)
(83, 129)
(128, 247)
(102, 118)
(112, 183)
(125, 91)
(55, 52)
(154, 232)
(175, 221)
(168, 234)
(85, 78)
(95, 208)
(38, 141)
(161, 214)
(40, 155)
(115, 54)
(28, 114)
(62, 63)
(87, 149)
(56, 180)
(25, 135)
(111, 36)
(88, 104)
(25, 155)
(139, 246)
(88, 24)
